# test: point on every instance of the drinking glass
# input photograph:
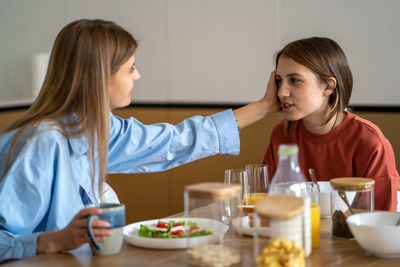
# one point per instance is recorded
(313, 189)
(234, 176)
(256, 185)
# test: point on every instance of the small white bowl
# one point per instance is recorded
(377, 232)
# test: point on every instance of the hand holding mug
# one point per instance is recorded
(114, 214)
(74, 234)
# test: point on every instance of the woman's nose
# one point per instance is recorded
(136, 75)
(283, 91)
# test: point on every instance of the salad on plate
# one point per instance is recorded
(172, 229)
(172, 233)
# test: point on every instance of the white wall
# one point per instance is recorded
(211, 51)
(367, 30)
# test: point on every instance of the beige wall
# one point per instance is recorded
(155, 195)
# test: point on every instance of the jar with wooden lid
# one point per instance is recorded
(286, 244)
(349, 195)
(212, 209)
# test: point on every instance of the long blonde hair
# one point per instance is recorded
(85, 55)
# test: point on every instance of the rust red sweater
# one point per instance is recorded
(357, 148)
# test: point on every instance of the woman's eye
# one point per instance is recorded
(132, 69)
(294, 81)
(278, 81)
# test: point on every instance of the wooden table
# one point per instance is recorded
(332, 252)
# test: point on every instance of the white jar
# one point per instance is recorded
(284, 216)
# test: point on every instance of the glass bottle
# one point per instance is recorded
(206, 205)
(349, 195)
(288, 179)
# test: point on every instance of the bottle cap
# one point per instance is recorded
(285, 150)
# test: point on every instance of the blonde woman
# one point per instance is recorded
(54, 159)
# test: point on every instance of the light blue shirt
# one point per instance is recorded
(49, 180)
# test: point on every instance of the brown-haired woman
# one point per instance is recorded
(53, 160)
(314, 87)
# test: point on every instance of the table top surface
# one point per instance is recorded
(332, 252)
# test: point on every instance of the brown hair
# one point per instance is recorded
(85, 55)
(326, 59)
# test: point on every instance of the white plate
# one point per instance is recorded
(132, 237)
(246, 229)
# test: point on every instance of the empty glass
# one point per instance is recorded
(234, 176)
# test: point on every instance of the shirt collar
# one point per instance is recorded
(78, 144)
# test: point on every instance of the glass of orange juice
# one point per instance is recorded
(315, 214)
(256, 185)
(254, 188)
(254, 182)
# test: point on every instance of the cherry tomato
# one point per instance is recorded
(162, 225)
(192, 228)
(177, 224)
(178, 232)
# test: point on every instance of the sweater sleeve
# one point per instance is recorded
(380, 166)
(386, 193)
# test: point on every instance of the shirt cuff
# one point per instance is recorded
(25, 245)
(228, 133)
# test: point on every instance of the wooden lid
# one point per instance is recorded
(352, 184)
(216, 191)
(280, 206)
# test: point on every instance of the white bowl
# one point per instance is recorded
(376, 232)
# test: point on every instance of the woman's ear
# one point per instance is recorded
(330, 86)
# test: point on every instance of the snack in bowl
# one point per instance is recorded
(172, 229)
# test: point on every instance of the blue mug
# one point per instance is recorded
(114, 213)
